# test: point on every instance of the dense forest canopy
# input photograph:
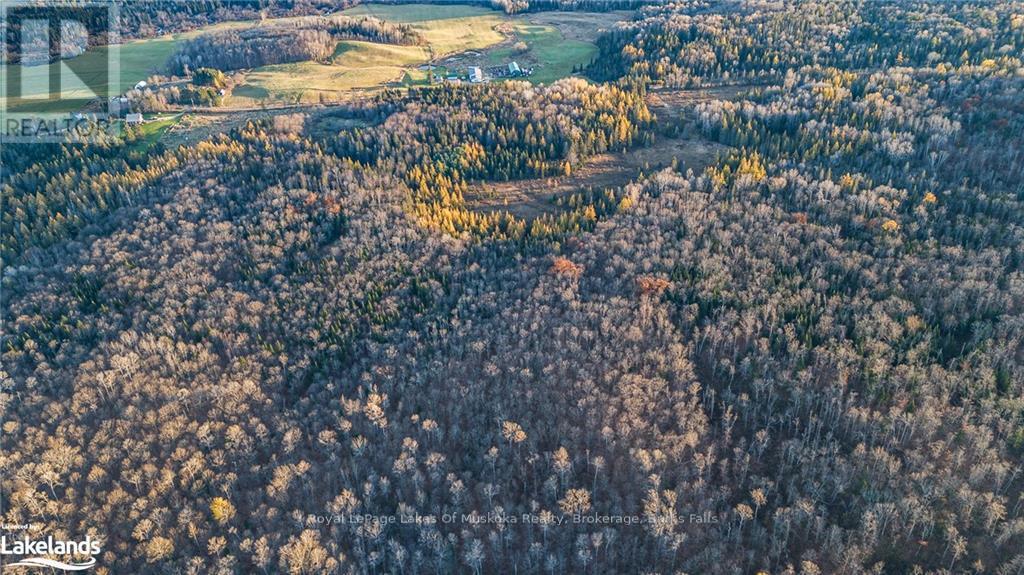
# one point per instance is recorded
(246, 354)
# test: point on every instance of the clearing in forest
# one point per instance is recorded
(533, 197)
(674, 103)
(530, 198)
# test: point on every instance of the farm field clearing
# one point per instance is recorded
(551, 55)
(552, 44)
(456, 35)
(447, 29)
(558, 41)
(359, 66)
(355, 66)
(136, 60)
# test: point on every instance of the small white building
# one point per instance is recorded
(476, 75)
(133, 119)
(514, 69)
(142, 84)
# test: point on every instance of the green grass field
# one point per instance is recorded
(552, 55)
(356, 54)
(150, 132)
(307, 82)
(134, 61)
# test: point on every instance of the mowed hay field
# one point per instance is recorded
(359, 66)
(552, 44)
(447, 29)
(557, 41)
(355, 66)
